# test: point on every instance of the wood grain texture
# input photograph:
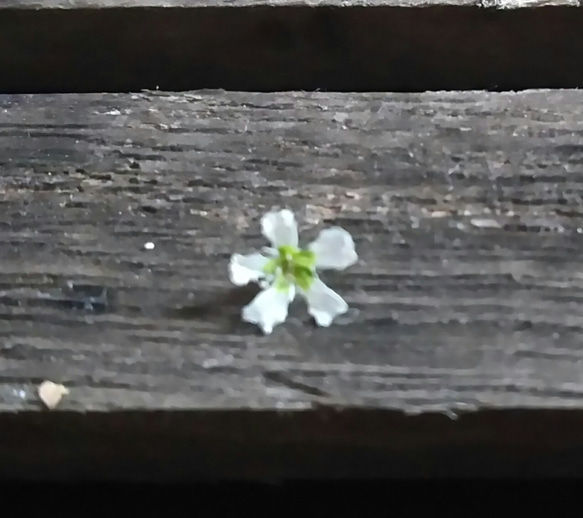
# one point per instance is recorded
(97, 4)
(465, 209)
(379, 46)
(466, 212)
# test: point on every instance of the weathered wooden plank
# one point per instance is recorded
(466, 212)
(76, 4)
(464, 207)
(390, 45)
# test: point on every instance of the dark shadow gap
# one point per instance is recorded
(322, 443)
(400, 498)
(290, 48)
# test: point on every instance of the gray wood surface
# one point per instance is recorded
(75, 4)
(462, 351)
(465, 209)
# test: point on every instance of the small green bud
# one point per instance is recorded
(303, 277)
(271, 267)
(292, 265)
(281, 283)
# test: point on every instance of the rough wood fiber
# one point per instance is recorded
(275, 46)
(466, 212)
(76, 4)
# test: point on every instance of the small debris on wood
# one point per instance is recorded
(86, 297)
(51, 393)
(485, 223)
(149, 245)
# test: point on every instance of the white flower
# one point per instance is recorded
(287, 269)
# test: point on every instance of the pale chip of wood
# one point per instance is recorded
(51, 393)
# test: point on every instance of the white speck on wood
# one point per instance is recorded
(485, 223)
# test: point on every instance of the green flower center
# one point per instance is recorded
(292, 266)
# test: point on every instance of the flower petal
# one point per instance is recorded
(334, 249)
(280, 228)
(244, 269)
(268, 308)
(324, 304)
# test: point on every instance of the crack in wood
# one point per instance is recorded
(284, 379)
